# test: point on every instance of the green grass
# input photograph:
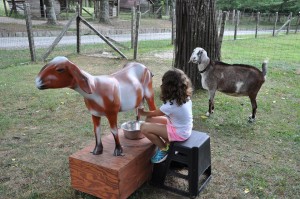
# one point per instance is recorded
(39, 130)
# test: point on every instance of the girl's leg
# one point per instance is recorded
(158, 119)
(154, 132)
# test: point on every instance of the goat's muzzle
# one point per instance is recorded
(42, 87)
(39, 84)
(194, 60)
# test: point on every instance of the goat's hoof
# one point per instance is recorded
(118, 152)
(251, 120)
(97, 152)
(207, 114)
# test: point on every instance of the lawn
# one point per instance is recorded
(39, 130)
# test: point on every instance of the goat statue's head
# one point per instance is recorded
(61, 73)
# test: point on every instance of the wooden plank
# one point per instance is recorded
(108, 176)
(58, 38)
(102, 37)
(29, 31)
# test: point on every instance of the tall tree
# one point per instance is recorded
(104, 11)
(195, 27)
(50, 12)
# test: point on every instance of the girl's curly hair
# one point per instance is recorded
(176, 85)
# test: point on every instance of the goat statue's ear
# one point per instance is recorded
(81, 79)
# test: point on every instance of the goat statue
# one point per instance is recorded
(235, 79)
(104, 95)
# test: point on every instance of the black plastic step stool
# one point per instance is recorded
(195, 155)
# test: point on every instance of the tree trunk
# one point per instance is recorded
(50, 12)
(104, 11)
(195, 27)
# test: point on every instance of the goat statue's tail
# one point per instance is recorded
(264, 68)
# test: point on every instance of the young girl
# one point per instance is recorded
(173, 121)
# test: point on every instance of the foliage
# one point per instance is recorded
(281, 6)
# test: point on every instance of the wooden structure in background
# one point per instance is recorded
(36, 6)
(108, 176)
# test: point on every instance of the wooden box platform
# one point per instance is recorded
(108, 176)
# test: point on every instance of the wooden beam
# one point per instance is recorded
(117, 43)
(87, 11)
(285, 24)
(102, 37)
(58, 38)
(29, 31)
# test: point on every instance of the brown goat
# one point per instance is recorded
(234, 80)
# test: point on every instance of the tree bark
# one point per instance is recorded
(50, 12)
(104, 11)
(195, 27)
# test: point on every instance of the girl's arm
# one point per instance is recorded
(153, 113)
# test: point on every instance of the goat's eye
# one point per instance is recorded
(60, 70)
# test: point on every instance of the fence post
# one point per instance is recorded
(289, 24)
(44, 12)
(136, 40)
(133, 25)
(252, 16)
(297, 23)
(222, 28)
(29, 31)
(257, 23)
(233, 16)
(67, 9)
(173, 27)
(276, 19)
(78, 28)
(237, 19)
(219, 17)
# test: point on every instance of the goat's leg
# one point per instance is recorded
(254, 107)
(211, 104)
(151, 102)
(112, 119)
(97, 130)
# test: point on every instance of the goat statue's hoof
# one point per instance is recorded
(118, 151)
(97, 151)
(251, 120)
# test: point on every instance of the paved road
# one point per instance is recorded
(45, 42)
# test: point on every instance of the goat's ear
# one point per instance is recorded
(81, 79)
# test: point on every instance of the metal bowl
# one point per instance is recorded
(132, 130)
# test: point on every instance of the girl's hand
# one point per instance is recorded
(141, 111)
(153, 113)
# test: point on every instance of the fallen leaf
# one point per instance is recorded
(247, 190)
(204, 117)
